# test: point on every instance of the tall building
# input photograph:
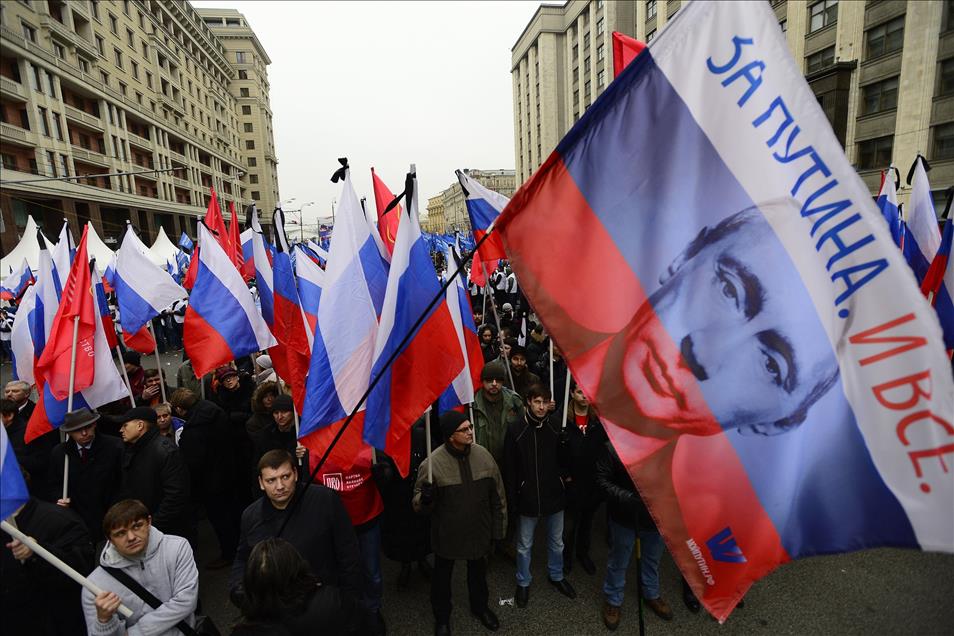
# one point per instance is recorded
(883, 72)
(559, 64)
(454, 205)
(250, 90)
(105, 87)
(435, 215)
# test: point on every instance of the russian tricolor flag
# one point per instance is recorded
(420, 367)
(888, 204)
(483, 207)
(461, 390)
(737, 312)
(922, 239)
(221, 322)
(344, 339)
(311, 278)
(142, 291)
(62, 254)
(938, 284)
(13, 490)
(16, 283)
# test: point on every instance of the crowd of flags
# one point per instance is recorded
(336, 316)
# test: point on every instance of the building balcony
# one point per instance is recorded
(172, 103)
(180, 182)
(83, 117)
(160, 44)
(177, 156)
(16, 135)
(63, 33)
(223, 137)
(270, 156)
(91, 156)
(14, 89)
(139, 141)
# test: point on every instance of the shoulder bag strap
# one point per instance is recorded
(136, 588)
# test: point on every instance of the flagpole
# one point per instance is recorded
(439, 297)
(427, 434)
(551, 368)
(69, 405)
(566, 397)
(122, 365)
(162, 379)
(57, 563)
(493, 307)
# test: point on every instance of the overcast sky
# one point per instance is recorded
(386, 84)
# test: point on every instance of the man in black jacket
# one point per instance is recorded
(95, 470)
(154, 473)
(207, 448)
(534, 478)
(280, 433)
(628, 518)
(35, 597)
(318, 527)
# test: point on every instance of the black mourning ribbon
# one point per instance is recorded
(340, 173)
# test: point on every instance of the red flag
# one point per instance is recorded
(76, 303)
(235, 241)
(625, 50)
(387, 223)
(214, 221)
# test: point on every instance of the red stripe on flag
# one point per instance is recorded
(141, 341)
(205, 347)
(346, 451)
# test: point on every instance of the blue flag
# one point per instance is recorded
(185, 242)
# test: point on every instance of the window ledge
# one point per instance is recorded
(877, 114)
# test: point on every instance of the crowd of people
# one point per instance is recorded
(142, 472)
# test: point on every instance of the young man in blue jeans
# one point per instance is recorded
(535, 470)
(628, 517)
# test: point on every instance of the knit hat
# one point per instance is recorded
(225, 372)
(283, 402)
(132, 357)
(507, 307)
(493, 371)
(450, 422)
(264, 361)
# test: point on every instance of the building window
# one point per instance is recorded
(821, 59)
(875, 153)
(253, 178)
(59, 51)
(600, 26)
(884, 38)
(104, 77)
(243, 74)
(84, 65)
(256, 195)
(600, 53)
(240, 57)
(250, 144)
(601, 79)
(248, 127)
(946, 77)
(252, 162)
(246, 110)
(243, 92)
(948, 23)
(99, 46)
(122, 89)
(822, 14)
(135, 70)
(943, 142)
(63, 169)
(57, 128)
(650, 36)
(51, 161)
(879, 96)
(148, 79)
(29, 32)
(44, 125)
(650, 9)
(113, 24)
(130, 40)
(117, 54)
(95, 6)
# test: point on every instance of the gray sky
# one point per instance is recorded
(386, 84)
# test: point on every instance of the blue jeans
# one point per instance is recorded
(621, 550)
(554, 525)
(369, 546)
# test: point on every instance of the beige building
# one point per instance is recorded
(250, 90)
(560, 63)
(454, 206)
(434, 222)
(104, 87)
(882, 71)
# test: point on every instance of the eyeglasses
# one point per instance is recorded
(465, 429)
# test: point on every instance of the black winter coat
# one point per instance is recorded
(320, 530)
(325, 610)
(34, 457)
(405, 535)
(93, 485)
(583, 450)
(207, 450)
(155, 473)
(36, 598)
(535, 467)
(622, 501)
(271, 438)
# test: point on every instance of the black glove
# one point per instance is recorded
(382, 473)
(427, 493)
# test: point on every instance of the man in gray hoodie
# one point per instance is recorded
(161, 563)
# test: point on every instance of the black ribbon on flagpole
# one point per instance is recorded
(374, 380)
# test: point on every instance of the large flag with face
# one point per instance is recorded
(415, 363)
(344, 339)
(69, 353)
(13, 490)
(142, 291)
(222, 322)
(16, 283)
(461, 390)
(766, 370)
(922, 238)
(483, 207)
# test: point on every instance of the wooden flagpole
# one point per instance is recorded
(69, 406)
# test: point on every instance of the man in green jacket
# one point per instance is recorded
(495, 407)
(464, 495)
